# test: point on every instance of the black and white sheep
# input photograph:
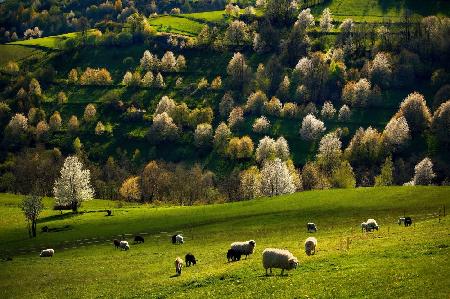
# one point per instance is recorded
(278, 258)
(190, 259)
(363, 226)
(233, 255)
(178, 265)
(407, 221)
(138, 239)
(124, 245)
(369, 225)
(310, 246)
(244, 248)
(177, 239)
(116, 243)
(47, 253)
(311, 227)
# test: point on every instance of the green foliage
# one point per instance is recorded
(386, 177)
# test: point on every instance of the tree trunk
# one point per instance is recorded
(33, 228)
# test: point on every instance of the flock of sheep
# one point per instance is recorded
(272, 258)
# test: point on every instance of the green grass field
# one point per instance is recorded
(396, 262)
(176, 25)
(17, 53)
(382, 10)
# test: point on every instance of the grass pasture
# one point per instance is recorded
(176, 25)
(382, 10)
(394, 262)
(17, 53)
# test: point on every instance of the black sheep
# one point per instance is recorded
(190, 259)
(233, 255)
(174, 239)
(116, 243)
(408, 221)
(138, 239)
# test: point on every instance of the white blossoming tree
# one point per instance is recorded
(423, 172)
(326, 20)
(276, 178)
(311, 128)
(396, 133)
(73, 186)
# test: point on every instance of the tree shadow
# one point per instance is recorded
(175, 275)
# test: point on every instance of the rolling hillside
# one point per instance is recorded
(389, 263)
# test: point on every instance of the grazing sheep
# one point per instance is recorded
(311, 227)
(310, 245)
(108, 212)
(278, 258)
(178, 265)
(116, 243)
(363, 226)
(233, 255)
(244, 248)
(190, 259)
(408, 221)
(47, 253)
(44, 229)
(401, 220)
(124, 245)
(177, 239)
(138, 239)
(372, 225)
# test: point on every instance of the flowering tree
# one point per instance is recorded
(237, 34)
(149, 62)
(163, 128)
(380, 69)
(311, 128)
(147, 80)
(441, 123)
(32, 206)
(415, 110)
(203, 135)
(344, 113)
(256, 102)
(166, 104)
(240, 148)
(226, 104)
(90, 113)
(396, 133)
(130, 189)
(329, 155)
(423, 172)
(276, 178)
(236, 118)
(73, 186)
(266, 149)
(221, 138)
(250, 183)
(238, 71)
(326, 20)
(18, 125)
(357, 93)
(273, 107)
(261, 125)
(328, 110)
(305, 19)
(169, 62)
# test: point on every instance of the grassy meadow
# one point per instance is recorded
(391, 263)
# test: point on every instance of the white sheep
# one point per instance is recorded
(47, 253)
(124, 245)
(179, 239)
(178, 265)
(244, 248)
(310, 245)
(278, 258)
(372, 224)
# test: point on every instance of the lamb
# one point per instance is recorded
(177, 239)
(124, 245)
(190, 259)
(244, 248)
(116, 243)
(138, 239)
(233, 255)
(47, 253)
(278, 258)
(311, 227)
(178, 265)
(310, 245)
